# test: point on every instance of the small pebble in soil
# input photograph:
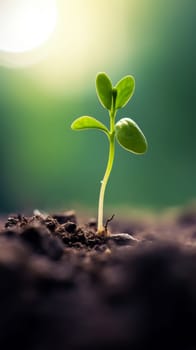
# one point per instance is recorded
(122, 239)
(66, 216)
(92, 223)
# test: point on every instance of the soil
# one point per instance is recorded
(63, 287)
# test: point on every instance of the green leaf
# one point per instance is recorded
(125, 89)
(130, 136)
(104, 90)
(87, 122)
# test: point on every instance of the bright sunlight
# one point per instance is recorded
(25, 25)
(63, 41)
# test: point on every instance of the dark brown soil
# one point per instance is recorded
(64, 288)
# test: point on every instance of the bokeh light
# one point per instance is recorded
(25, 25)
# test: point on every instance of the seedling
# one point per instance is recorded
(125, 131)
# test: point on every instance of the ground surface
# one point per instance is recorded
(62, 287)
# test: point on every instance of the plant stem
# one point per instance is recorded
(111, 137)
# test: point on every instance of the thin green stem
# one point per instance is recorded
(111, 137)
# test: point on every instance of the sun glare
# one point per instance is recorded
(61, 42)
(25, 25)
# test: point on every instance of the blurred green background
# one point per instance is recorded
(44, 164)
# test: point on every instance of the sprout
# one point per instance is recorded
(126, 131)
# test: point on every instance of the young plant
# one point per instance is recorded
(125, 131)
